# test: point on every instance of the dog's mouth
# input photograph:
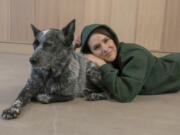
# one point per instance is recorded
(41, 67)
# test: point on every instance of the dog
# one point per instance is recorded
(58, 73)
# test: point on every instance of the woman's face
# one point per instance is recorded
(103, 47)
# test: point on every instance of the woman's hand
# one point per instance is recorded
(91, 57)
(95, 59)
(76, 42)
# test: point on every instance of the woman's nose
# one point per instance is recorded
(104, 47)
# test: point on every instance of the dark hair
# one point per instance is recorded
(99, 30)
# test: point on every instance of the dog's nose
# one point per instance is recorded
(33, 60)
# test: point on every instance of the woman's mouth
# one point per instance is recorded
(108, 54)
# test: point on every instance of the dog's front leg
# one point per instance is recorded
(95, 77)
(24, 97)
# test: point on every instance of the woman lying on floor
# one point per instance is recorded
(128, 69)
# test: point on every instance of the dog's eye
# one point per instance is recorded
(35, 44)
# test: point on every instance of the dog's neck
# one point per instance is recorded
(64, 66)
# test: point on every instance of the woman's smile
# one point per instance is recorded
(108, 54)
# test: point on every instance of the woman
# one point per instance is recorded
(129, 69)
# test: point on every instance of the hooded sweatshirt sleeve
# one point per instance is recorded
(129, 83)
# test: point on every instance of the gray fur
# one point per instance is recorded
(58, 73)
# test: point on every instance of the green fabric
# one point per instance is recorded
(141, 73)
(136, 71)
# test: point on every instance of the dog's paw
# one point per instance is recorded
(87, 92)
(43, 98)
(95, 96)
(11, 113)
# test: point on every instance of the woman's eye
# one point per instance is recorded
(96, 47)
(106, 40)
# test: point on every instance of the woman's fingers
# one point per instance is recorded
(77, 42)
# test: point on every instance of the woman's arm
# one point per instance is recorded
(95, 59)
(126, 86)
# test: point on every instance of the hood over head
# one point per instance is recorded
(89, 29)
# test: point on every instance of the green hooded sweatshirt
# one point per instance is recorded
(135, 70)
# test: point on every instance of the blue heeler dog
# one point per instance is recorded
(58, 72)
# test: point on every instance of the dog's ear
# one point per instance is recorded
(35, 30)
(69, 30)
